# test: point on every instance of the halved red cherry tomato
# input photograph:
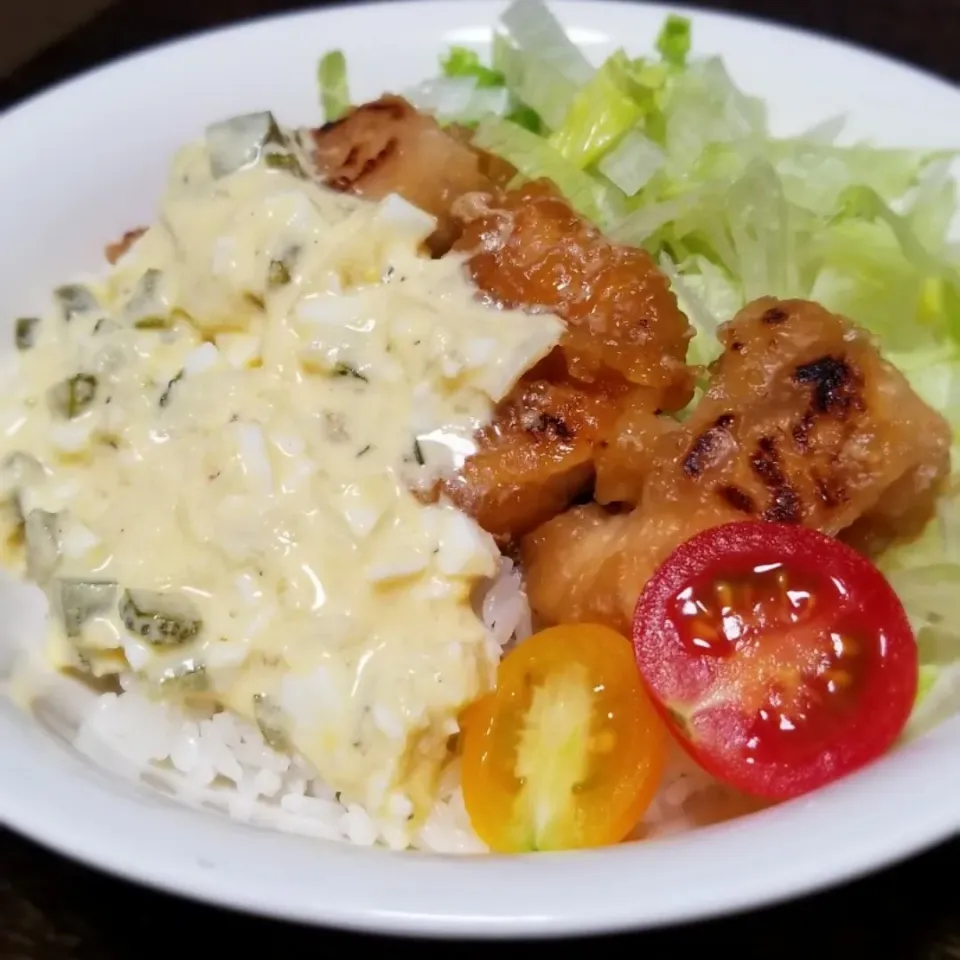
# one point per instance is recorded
(780, 656)
(568, 751)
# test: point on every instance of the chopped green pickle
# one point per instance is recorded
(161, 619)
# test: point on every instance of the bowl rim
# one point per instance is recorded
(54, 798)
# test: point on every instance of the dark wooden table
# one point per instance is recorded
(51, 909)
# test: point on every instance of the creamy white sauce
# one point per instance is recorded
(253, 451)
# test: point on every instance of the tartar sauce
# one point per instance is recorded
(211, 455)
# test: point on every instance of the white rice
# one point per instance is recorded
(222, 762)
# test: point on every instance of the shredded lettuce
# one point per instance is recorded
(461, 62)
(601, 113)
(928, 585)
(462, 98)
(632, 162)
(535, 158)
(534, 83)
(334, 91)
(673, 44)
(664, 151)
(532, 29)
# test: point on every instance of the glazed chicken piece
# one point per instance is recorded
(388, 146)
(626, 337)
(528, 248)
(803, 423)
(621, 356)
(623, 459)
(538, 454)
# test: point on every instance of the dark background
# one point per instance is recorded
(50, 908)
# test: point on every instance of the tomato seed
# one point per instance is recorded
(839, 679)
(604, 742)
(704, 631)
(849, 647)
(724, 594)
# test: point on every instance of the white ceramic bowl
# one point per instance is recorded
(88, 159)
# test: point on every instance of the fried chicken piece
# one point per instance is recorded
(528, 248)
(537, 455)
(803, 423)
(620, 359)
(623, 459)
(388, 146)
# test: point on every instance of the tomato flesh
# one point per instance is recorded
(781, 658)
(568, 751)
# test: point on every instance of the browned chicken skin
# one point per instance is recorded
(803, 422)
(527, 247)
(623, 461)
(538, 454)
(388, 146)
(624, 347)
(626, 337)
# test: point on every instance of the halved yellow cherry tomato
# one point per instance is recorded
(568, 751)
